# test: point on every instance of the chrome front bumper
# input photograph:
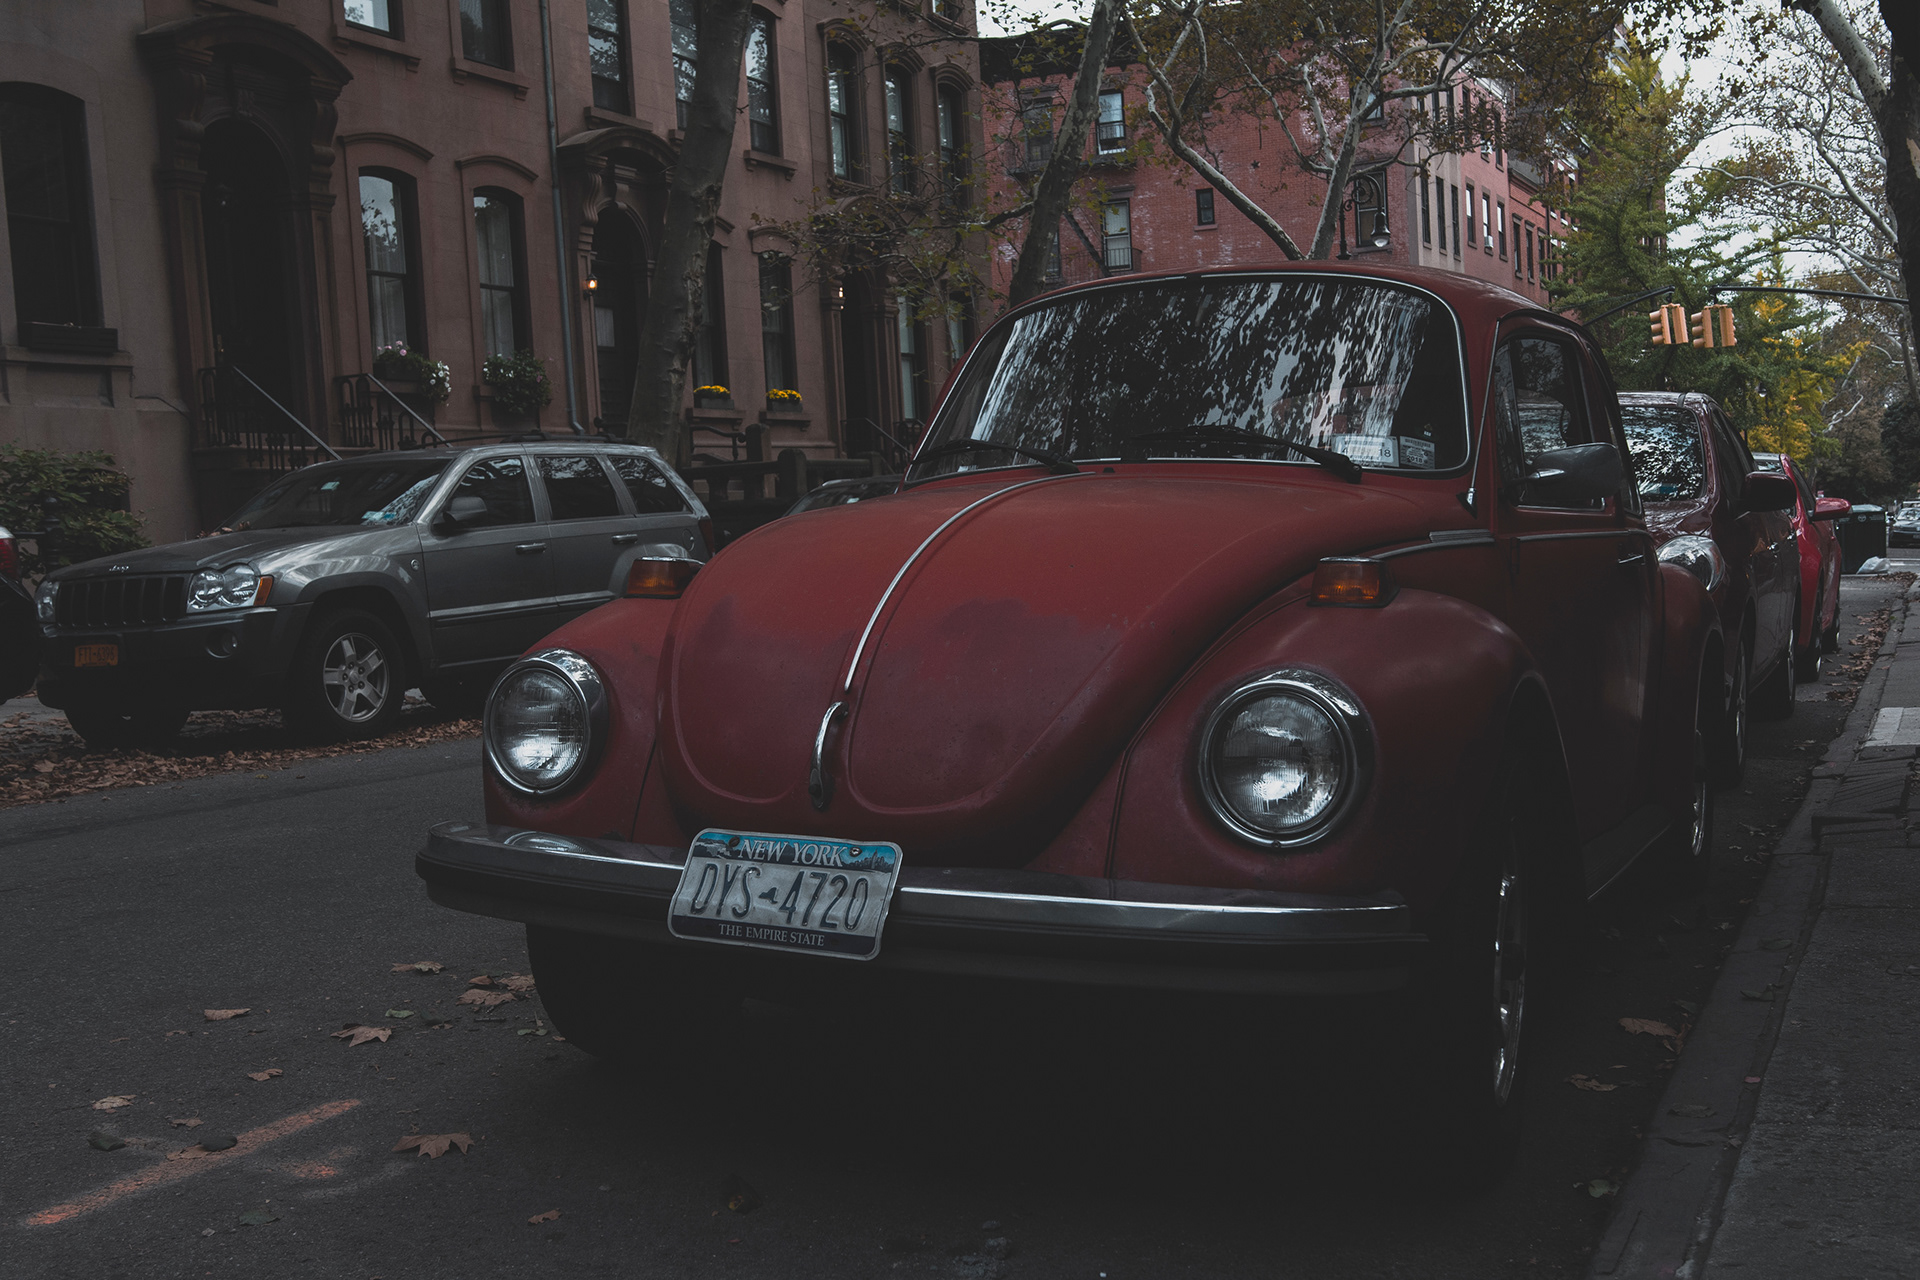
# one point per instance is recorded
(981, 923)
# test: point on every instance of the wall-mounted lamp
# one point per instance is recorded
(593, 283)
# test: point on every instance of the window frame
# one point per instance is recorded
(78, 231)
(896, 94)
(1454, 188)
(1110, 131)
(710, 339)
(412, 291)
(1473, 235)
(503, 11)
(845, 153)
(1108, 237)
(396, 18)
(763, 92)
(517, 251)
(1426, 209)
(1500, 210)
(911, 339)
(776, 339)
(1205, 213)
(950, 112)
(1510, 450)
(622, 88)
(675, 31)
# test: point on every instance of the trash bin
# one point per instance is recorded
(1863, 535)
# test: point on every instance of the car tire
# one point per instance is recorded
(1830, 638)
(1807, 660)
(1690, 844)
(624, 1002)
(348, 678)
(1773, 700)
(149, 728)
(1730, 737)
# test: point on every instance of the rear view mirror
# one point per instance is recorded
(1768, 491)
(1578, 473)
(465, 509)
(1831, 508)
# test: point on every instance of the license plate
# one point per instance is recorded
(786, 893)
(96, 655)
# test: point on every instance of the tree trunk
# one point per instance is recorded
(1069, 149)
(693, 202)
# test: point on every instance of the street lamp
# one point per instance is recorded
(1382, 237)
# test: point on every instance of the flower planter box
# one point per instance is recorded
(713, 402)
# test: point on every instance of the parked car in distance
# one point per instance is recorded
(1818, 626)
(342, 585)
(1233, 632)
(1716, 513)
(1905, 530)
(19, 632)
(835, 493)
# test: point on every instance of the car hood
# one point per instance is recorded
(1011, 662)
(250, 545)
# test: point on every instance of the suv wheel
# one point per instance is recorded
(347, 680)
(106, 728)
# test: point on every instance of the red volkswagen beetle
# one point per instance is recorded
(1250, 632)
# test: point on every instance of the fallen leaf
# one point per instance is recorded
(420, 966)
(268, 1074)
(105, 1141)
(740, 1197)
(517, 982)
(539, 1218)
(188, 1123)
(1600, 1188)
(434, 1145)
(222, 1015)
(399, 1013)
(531, 1031)
(189, 1153)
(1591, 1085)
(1753, 1079)
(115, 1102)
(482, 981)
(360, 1035)
(1648, 1027)
(258, 1217)
(484, 999)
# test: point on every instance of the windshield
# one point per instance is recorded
(343, 494)
(1668, 458)
(1216, 368)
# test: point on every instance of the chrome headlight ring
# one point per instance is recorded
(1698, 555)
(582, 685)
(1350, 733)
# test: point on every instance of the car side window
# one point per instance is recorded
(652, 493)
(577, 487)
(1539, 405)
(1734, 460)
(502, 484)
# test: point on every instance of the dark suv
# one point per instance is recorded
(344, 584)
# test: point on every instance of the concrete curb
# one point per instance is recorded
(1664, 1221)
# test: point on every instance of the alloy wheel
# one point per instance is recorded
(355, 676)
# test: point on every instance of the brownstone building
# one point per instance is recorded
(219, 210)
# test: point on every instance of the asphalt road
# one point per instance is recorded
(894, 1141)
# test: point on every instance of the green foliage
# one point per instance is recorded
(397, 364)
(519, 381)
(92, 499)
(1900, 440)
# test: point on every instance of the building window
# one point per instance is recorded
(959, 327)
(375, 15)
(913, 363)
(710, 339)
(1529, 251)
(1110, 133)
(899, 131)
(843, 100)
(1500, 217)
(484, 32)
(387, 222)
(1203, 207)
(776, 322)
(1486, 221)
(1456, 217)
(607, 54)
(951, 113)
(1472, 234)
(1051, 268)
(1116, 236)
(763, 87)
(43, 154)
(497, 232)
(1036, 120)
(1440, 218)
(948, 9)
(1426, 212)
(684, 16)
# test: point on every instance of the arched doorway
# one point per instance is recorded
(619, 305)
(247, 218)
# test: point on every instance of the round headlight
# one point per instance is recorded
(43, 600)
(1698, 555)
(1281, 757)
(544, 721)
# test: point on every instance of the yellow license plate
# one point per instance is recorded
(96, 655)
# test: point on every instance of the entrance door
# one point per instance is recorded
(619, 303)
(247, 220)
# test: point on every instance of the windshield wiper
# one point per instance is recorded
(1338, 463)
(1053, 462)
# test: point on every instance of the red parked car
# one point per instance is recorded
(1813, 516)
(1257, 632)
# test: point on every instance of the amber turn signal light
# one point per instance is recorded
(265, 589)
(661, 579)
(1354, 584)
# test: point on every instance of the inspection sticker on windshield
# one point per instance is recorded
(785, 893)
(1368, 451)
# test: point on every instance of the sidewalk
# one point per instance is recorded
(1788, 1142)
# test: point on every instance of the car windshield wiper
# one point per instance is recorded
(1338, 463)
(1053, 462)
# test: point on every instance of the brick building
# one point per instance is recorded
(277, 188)
(1482, 212)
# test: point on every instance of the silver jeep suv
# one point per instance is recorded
(344, 584)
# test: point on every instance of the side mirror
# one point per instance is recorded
(1768, 491)
(465, 509)
(1831, 509)
(1578, 473)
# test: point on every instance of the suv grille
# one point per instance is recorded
(120, 602)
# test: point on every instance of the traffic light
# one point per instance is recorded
(1700, 329)
(1712, 326)
(1723, 325)
(1669, 325)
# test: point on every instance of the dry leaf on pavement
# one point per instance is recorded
(360, 1035)
(1591, 1085)
(268, 1074)
(186, 1122)
(518, 982)
(484, 999)
(1648, 1027)
(539, 1218)
(222, 1015)
(420, 966)
(482, 981)
(115, 1102)
(434, 1145)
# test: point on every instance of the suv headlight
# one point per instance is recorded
(1698, 556)
(43, 600)
(1283, 757)
(233, 587)
(546, 720)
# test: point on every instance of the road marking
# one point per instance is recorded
(1895, 727)
(160, 1175)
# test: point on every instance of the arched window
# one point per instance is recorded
(389, 226)
(43, 148)
(843, 110)
(900, 130)
(499, 239)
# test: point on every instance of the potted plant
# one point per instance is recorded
(521, 387)
(712, 397)
(783, 400)
(411, 374)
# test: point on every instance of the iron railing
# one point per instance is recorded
(236, 412)
(372, 416)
